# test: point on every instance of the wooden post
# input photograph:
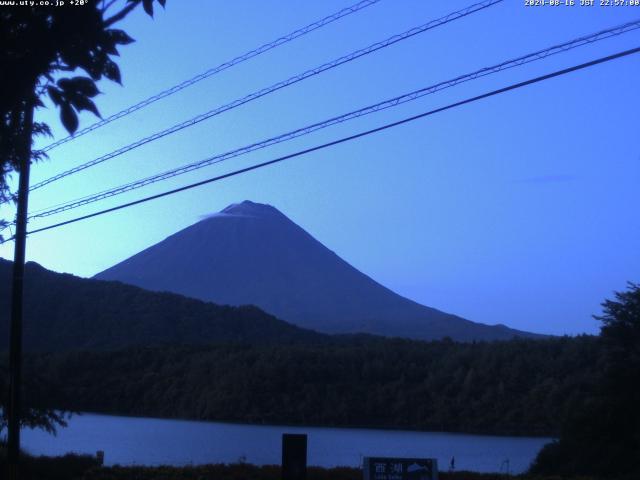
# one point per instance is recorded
(294, 456)
(15, 336)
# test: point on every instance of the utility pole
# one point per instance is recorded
(15, 337)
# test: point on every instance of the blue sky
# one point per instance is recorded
(520, 209)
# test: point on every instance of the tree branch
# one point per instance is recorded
(120, 15)
(107, 6)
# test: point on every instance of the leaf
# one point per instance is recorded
(40, 128)
(84, 103)
(65, 84)
(55, 95)
(162, 2)
(112, 72)
(93, 68)
(109, 46)
(69, 118)
(120, 36)
(81, 85)
(39, 155)
(148, 7)
(75, 57)
(86, 86)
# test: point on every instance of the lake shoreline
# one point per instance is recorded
(152, 442)
(312, 425)
(88, 468)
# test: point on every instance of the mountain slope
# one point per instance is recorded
(64, 312)
(251, 253)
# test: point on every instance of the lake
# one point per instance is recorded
(151, 441)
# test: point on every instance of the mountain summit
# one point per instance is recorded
(251, 253)
(250, 209)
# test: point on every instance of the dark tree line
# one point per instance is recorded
(516, 387)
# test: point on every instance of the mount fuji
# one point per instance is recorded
(251, 253)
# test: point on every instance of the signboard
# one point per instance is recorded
(386, 468)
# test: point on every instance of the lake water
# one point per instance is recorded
(150, 441)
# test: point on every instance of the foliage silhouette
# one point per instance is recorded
(603, 437)
(40, 47)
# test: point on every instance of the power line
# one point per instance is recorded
(522, 60)
(277, 86)
(345, 139)
(215, 70)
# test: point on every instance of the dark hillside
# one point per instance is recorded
(65, 312)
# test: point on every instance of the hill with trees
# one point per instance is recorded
(65, 312)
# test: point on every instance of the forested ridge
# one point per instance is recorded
(515, 387)
(65, 312)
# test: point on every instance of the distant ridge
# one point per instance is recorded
(251, 253)
(64, 312)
